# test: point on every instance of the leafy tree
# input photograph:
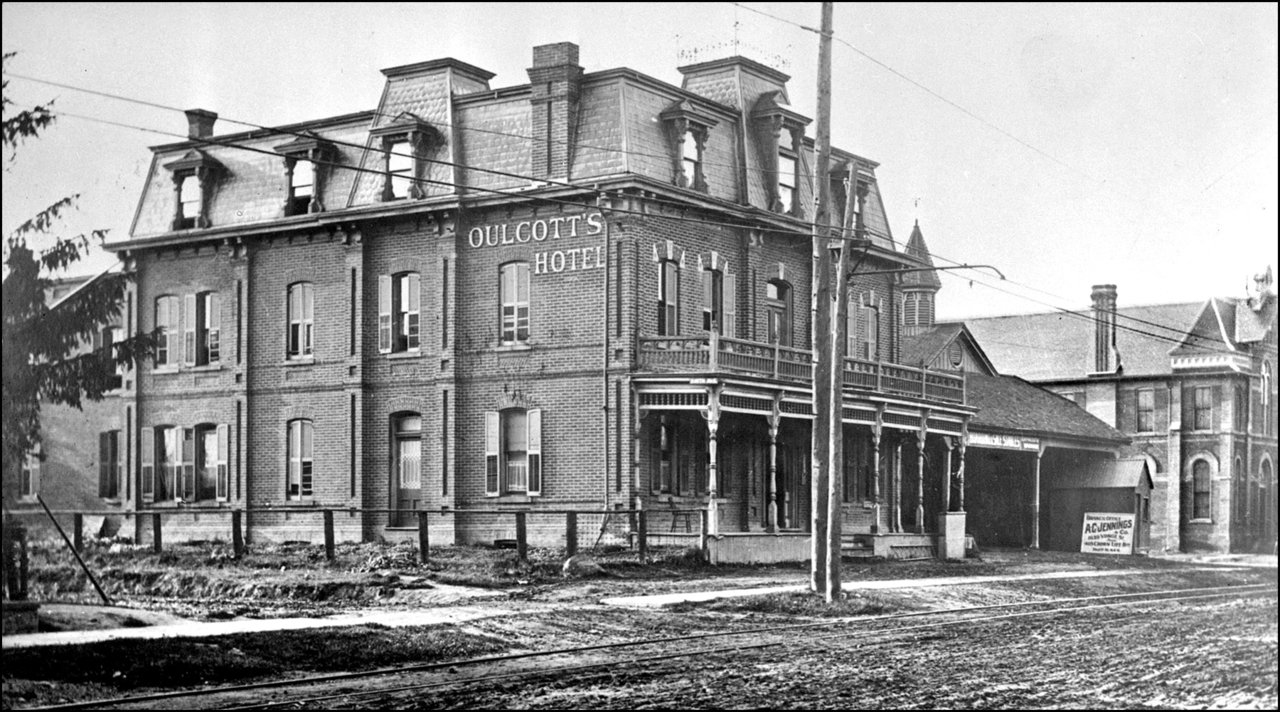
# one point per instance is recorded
(43, 358)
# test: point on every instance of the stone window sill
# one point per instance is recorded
(308, 361)
(508, 348)
(404, 354)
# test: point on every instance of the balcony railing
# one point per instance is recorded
(714, 354)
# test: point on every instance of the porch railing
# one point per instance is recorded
(714, 354)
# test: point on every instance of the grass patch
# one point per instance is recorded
(799, 604)
(166, 663)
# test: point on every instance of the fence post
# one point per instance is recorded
(571, 533)
(157, 545)
(237, 537)
(77, 534)
(424, 537)
(328, 534)
(642, 534)
(522, 546)
(702, 529)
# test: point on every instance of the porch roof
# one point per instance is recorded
(1129, 474)
(1010, 404)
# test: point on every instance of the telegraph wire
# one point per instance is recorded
(605, 194)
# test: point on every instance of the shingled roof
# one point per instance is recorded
(1058, 346)
(1010, 404)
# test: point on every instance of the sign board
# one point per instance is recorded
(1005, 442)
(1107, 533)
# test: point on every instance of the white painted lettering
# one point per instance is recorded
(594, 225)
(490, 236)
(475, 236)
(557, 267)
(539, 224)
(540, 263)
(573, 224)
(524, 224)
(555, 223)
(506, 240)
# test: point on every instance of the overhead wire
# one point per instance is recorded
(545, 181)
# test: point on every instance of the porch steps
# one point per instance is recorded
(855, 546)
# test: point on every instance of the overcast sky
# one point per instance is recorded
(1066, 144)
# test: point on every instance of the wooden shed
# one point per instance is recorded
(1116, 486)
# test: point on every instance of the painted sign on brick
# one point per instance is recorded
(1107, 533)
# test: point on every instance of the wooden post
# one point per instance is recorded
(237, 535)
(920, 444)
(571, 533)
(522, 545)
(157, 545)
(328, 534)
(702, 529)
(775, 421)
(877, 430)
(642, 533)
(1035, 501)
(77, 530)
(946, 477)
(424, 537)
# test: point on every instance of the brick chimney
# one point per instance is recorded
(200, 123)
(1105, 357)
(556, 80)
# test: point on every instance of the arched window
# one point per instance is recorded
(1201, 504)
(300, 318)
(777, 306)
(669, 298)
(513, 295)
(299, 482)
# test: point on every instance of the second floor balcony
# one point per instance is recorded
(712, 353)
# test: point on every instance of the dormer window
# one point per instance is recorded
(193, 178)
(306, 160)
(406, 141)
(400, 165)
(687, 128)
(787, 180)
(781, 134)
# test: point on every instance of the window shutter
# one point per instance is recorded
(708, 300)
(213, 338)
(224, 480)
(1162, 409)
(104, 463)
(414, 308)
(491, 446)
(730, 306)
(188, 471)
(147, 456)
(1216, 410)
(384, 313)
(534, 424)
(1128, 415)
(189, 329)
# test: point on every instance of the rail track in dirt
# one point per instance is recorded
(607, 662)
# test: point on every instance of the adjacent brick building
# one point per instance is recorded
(1193, 385)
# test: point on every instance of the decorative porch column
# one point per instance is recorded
(876, 431)
(920, 441)
(896, 499)
(775, 420)
(963, 443)
(946, 476)
(637, 433)
(1035, 500)
(713, 424)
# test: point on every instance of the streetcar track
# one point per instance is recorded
(1144, 597)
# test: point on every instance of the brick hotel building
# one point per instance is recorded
(588, 291)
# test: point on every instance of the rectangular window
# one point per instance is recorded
(690, 161)
(167, 322)
(192, 198)
(786, 182)
(1203, 408)
(871, 333)
(1146, 411)
(1201, 489)
(219, 459)
(400, 168)
(712, 300)
(29, 484)
(669, 298)
(208, 328)
(399, 312)
(514, 298)
(513, 452)
(301, 185)
(777, 307)
(300, 316)
(299, 477)
(105, 340)
(147, 458)
(109, 464)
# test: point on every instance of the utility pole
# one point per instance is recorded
(821, 327)
(839, 339)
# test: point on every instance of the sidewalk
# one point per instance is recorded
(391, 619)
(669, 598)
